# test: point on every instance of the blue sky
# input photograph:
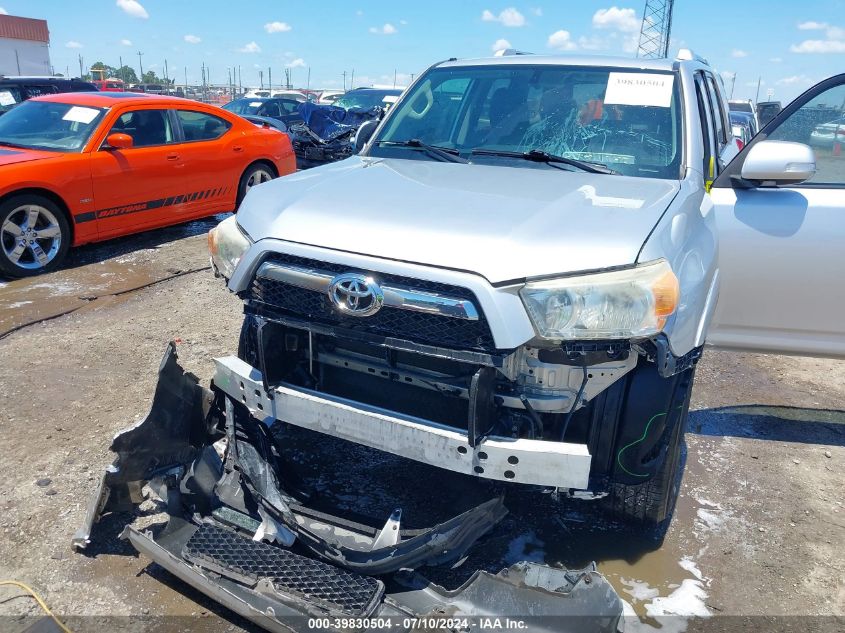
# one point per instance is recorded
(789, 44)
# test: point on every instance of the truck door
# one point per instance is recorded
(782, 246)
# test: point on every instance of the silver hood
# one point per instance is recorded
(504, 223)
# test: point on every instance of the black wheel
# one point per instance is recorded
(650, 450)
(34, 235)
(252, 177)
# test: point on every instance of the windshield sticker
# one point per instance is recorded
(390, 99)
(78, 114)
(254, 104)
(639, 89)
(6, 98)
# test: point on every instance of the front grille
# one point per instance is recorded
(315, 581)
(431, 329)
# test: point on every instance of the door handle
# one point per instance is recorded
(173, 157)
(238, 148)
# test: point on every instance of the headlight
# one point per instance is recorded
(227, 244)
(623, 304)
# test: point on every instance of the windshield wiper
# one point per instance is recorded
(445, 154)
(539, 156)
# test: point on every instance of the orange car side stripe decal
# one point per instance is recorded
(149, 205)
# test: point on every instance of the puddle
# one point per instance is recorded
(100, 270)
(26, 300)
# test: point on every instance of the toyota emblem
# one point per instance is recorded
(356, 294)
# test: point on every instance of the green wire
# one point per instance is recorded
(627, 446)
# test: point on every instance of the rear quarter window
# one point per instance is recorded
(200, 126)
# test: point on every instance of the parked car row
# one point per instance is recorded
(84, 167)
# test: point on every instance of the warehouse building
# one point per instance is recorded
(24, 46)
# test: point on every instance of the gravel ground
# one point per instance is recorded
(759, 530)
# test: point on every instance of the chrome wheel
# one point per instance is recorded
(31, 237)
(257, 177)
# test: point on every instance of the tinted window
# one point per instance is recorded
(707, 131)
(244, 106)
(269, 108)
(199, 126)
(819, 123)
(146, 127)
(34, 90)
(718, 110)
(289, 106)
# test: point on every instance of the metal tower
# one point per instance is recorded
(656, 29)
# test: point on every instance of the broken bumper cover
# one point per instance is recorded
(526, 596)
(331, 573)
(559, 464)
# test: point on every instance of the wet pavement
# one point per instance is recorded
(759, 529)
(95, 272)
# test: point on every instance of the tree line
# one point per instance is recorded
(127, 74)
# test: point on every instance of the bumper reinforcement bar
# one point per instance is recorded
(537, 462)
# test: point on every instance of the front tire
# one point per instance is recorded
(649, 504)
(34, 236)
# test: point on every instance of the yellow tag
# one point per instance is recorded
(708, 183)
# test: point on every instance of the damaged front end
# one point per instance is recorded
(239, 531)
(327, 133)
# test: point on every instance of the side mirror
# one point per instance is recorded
(365, 133)
(779, 162)
(119, 141)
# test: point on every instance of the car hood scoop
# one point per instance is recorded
(502, 222)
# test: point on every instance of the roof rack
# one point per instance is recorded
(687, 55)
(507, 52)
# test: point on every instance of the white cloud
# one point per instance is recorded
(812, 26)
(73, 44)
(794, 79)
(403, 22)
(251, 47)
(591, 43)
(624, 20)
(125, 42)
(500, 45)
(819, 46)
(192, 39)
(387, 29)
(3, 11)
(508, 17)
(296, 63)
(834, 41)
(133, 8)
(277, 27)
(738, 52)
(538, 11)
(561, 41)
(835, 33)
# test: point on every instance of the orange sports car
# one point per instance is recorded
(83, 167)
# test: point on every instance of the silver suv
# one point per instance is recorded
(516, 275)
